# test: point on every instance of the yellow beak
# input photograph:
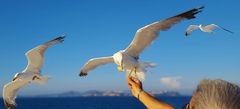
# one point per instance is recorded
(120, 68)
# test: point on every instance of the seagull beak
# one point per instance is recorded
(120, 68)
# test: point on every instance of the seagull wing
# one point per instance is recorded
(146, 35)
(213, 26)
(95, 62)
(190, 29)
(35, 56)
(10, 92)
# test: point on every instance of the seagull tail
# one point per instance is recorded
(42, 80)
(147, 65)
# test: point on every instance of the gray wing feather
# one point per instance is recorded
(211, 26)
(93, 63)
(10, 92)
(146, 35)
(190, 29)
(35, 56)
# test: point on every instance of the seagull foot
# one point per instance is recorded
(120, 69)
(135, 71)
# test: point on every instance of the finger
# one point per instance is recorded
(136, 81)
(130, 86)
(130, 80)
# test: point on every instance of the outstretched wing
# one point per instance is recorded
(145, 36)
(213, 26)
(93, 63)
(35, 56)
(190, 29)
(10, 92)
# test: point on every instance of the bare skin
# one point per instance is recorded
(149, 101)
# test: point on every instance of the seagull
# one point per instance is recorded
(128, 59)
(207, 29)
(32, 73)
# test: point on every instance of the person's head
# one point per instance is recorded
(215, 94)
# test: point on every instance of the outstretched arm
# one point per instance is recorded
(149, 101)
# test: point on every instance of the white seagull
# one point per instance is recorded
(128, 58)
(207, 29)
(32, 73)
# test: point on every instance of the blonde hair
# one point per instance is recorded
(216, 94)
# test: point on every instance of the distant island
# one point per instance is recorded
(95, 93)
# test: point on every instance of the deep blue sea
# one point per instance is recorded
(91, 103)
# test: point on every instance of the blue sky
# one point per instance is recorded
(101, 28)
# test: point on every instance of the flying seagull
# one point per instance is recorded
(32, 73)
(208, 28)
(129, 58)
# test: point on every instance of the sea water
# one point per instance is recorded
(92, 103)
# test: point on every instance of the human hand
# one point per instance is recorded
(135, 86)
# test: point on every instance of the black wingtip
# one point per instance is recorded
(191, 13)
(226, 30)
(201, 7)
(82, 74)
(61, 38)
(186, 34)
(9, 106)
